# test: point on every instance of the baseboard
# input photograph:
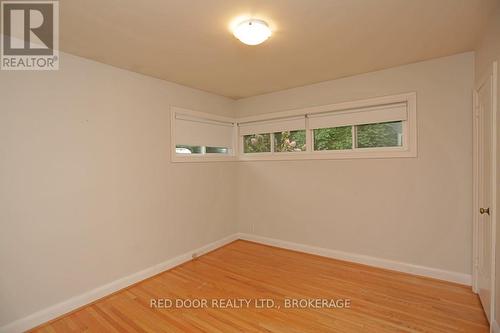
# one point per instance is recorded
(60, 309)
(71, 304)
(495, 328)
(363, 259)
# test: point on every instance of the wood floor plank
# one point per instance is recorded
(381, 300)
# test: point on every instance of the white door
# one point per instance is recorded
(484, 105)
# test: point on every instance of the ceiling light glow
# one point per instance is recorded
(252, 31)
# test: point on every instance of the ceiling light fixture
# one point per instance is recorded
(252, 32)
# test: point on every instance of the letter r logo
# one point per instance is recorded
(28, 28)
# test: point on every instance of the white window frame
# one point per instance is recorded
(409, 148)
(207, 157)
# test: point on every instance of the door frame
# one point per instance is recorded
(491, 74)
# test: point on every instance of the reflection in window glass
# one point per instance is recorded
(217, 150)
(290, 141)
(185, 149)
(335, 138)
(257, 143)
(388, 134)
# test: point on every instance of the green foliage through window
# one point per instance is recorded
(380, 135)
(389, 134)
(336, 138)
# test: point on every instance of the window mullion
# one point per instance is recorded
(309, 137)
(272, 142)
(354, 137)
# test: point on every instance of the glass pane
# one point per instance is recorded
(380, 135)
(257, 143)
(290, 141)
(217, 150)
(335, 138)
(183, 149)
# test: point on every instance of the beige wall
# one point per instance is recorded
(488, 50)
(87, 190)
(413, 210)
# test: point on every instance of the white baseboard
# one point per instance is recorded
(71, 304)
(495, 328)
(363, 259)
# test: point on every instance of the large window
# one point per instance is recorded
(382, 127)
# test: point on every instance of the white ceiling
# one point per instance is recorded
(189, 41)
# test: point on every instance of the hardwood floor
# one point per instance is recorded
(381, 300)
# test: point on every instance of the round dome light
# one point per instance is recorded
(252, 32)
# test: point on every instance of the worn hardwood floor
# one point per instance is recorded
(381, 300)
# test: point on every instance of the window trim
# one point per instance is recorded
(409, 148)
(208, 157)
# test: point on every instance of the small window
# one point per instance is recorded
(183, 149)
(198, 136)
(257, 143)
(336, 138)
(290, 141)
(389, 134)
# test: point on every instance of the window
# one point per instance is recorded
(378, 135)
(183, 149)
(389, 134)
(379, 127)
(278, 142)
(200, 137)
(290, 141)
(257, 143)
(274, 136)
(217, 150)
(333, 138)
